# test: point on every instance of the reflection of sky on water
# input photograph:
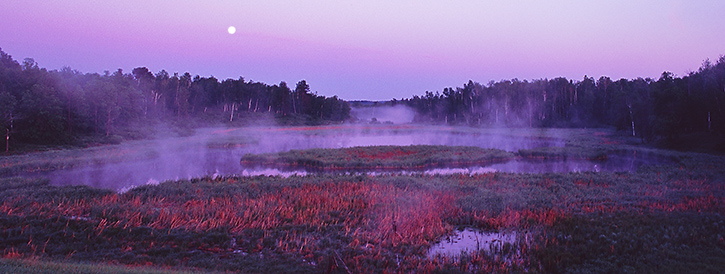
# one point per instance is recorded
(614, 164)
(469, 241)
(216, 151)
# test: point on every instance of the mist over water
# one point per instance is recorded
(216, 152)
(398, 114)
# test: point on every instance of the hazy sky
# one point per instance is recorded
(369, 49)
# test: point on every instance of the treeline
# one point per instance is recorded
(659, 109)
(65, 106)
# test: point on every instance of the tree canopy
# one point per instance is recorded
(59, 107)
(661, 108)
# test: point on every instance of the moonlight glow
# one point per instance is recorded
(232, 29)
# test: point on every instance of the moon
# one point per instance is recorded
(231, 30)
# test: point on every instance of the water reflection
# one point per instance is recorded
(216, 151)
(614, 164)
(471, 241)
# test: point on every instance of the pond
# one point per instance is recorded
(216, 152)
(470, 240)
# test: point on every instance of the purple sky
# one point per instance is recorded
(376, 50)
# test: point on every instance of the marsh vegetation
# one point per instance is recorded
(664, 216)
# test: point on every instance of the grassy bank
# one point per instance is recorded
(378, 157)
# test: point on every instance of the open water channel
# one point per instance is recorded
(216, 152)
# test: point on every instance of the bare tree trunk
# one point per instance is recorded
(145, 106)
(7, 132)
(231, 117)
(631, 118)
(108, 123)
(506, 108)
(95, 116)
(531, 113)
(157, 96)
(70, 126)
(471, 100)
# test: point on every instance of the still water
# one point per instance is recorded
(470, 240)
(216, 152)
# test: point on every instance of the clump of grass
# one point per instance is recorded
(379, 157)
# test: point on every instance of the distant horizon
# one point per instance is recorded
(125, 71)
(372, 50)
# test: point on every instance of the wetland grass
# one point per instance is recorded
(663, 218)
(378, 158)
(591, 222)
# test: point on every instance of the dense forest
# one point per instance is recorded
(66, 107)
(655, 110)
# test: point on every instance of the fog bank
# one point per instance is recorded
(217, 151)
(398, 114)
